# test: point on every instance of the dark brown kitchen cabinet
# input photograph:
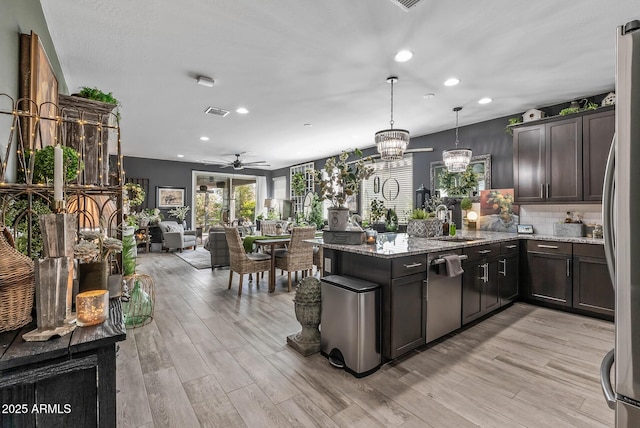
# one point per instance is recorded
(480, 282)
(597, 134)
(548, 276)
(592, 287)
(547, 159)
(408, 307)
(508, 272)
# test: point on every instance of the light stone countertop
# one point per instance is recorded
(390, 245)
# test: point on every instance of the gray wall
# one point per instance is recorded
(23, 16)
(176, 174)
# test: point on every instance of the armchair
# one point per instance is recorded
(174, 236)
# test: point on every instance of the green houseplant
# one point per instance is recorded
(298, 183)
(423, 224)
(97, 95)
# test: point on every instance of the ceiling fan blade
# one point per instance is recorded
(255, 162)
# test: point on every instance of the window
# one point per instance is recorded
(391, 183)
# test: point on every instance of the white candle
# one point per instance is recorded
(58, 171)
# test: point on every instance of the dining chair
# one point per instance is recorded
(299, 254)
(241, 262)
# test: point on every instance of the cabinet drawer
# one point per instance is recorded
(589, 250)
(408, 265)
(509, 247)
(551, 247)
(482, 251)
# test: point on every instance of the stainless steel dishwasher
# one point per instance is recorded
(444, 297)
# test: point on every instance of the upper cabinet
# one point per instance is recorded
(562, 159)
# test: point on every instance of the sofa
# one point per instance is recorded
(217, 245)
(174, 236)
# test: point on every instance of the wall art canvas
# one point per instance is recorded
(498, 213)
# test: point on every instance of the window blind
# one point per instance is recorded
(391, 183)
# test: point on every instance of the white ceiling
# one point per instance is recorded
(325, 63)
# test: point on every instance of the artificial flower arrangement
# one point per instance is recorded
(179, 212)
(340, 179)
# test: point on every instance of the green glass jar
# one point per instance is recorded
(452, 229)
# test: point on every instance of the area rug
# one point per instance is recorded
(199, 259)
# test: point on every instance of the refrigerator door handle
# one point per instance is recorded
(605, 379)
(607, 211)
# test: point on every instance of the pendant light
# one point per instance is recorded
(392, 143)
(456, 159)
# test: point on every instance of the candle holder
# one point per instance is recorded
(59, 207)
(371, 236)
(92, 307)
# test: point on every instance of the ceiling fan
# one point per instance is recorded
(237, 163)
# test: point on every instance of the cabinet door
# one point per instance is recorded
(592, 288)
(472, 290)
(529, 163)
(597, 135)
(408, 303)
(491, 287)
(564, 160)
(549, 278)
(508, 277)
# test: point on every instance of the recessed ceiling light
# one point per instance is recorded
(180, 156)
(428, 96)
(453, 81)
(403, 56)
(307, 125)
(204, 138)
(242, 110)
(205, 81)
(485, 100)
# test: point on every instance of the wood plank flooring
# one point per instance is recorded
(213, 359)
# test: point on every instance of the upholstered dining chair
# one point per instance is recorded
(299, 255)
(241, 262)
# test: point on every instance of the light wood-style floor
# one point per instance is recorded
(212, 359)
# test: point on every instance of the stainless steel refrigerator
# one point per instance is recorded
(621, 218)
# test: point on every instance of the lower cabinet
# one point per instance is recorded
(408, 311)
(548, 275)
(509, 272)
(592, 287)
(480, 283)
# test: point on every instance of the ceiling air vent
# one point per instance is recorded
(406, 4)
(216, 111)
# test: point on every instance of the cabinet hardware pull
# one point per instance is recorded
(547, 190)
(441, 261)
(485, 272)
(553, 247)
(541, 190)
(510, 246)
(568, 267)
(484, 251)
(504, 267)
(413, 265)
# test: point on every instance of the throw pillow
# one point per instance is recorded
(176, 228)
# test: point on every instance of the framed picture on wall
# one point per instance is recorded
(169, 197)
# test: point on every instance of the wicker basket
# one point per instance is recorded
(17, 284)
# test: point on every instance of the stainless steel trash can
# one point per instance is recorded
(350, 324)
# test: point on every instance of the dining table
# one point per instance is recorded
(271, 242)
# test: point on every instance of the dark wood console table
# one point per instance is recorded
(68, 381)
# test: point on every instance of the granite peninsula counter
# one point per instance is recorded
(404, 268)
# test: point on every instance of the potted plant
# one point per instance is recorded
(377, 212)
(315, 213)
(93, 252)
(340, 180)
(391, 221)
(423, 224)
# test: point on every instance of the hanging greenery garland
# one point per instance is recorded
(458, 183)
(134, 193)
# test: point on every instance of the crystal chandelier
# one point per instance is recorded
(392, 143)
(456, 159)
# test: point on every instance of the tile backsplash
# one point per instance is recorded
(542, 217)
